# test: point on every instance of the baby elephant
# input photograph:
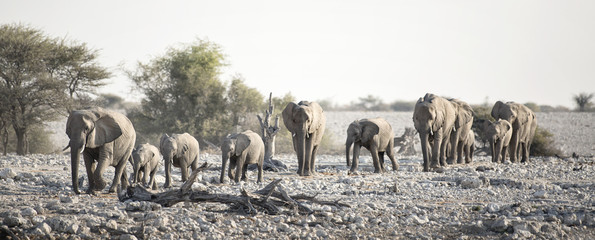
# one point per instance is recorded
(145, 161)
(241, 149)
(499, 134)
(374, 134)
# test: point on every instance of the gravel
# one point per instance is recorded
(547, 198)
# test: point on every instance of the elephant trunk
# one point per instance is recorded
(348, 144)
(75, 154)
(224, 160)
(425, 149)
(301, 151)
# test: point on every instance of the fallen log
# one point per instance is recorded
(272, 199)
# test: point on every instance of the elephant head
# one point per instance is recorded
(514, 113)
(90, 128)
(305, 121)
(359, 132)
(140, 157)
(231, 150)
(499, 134)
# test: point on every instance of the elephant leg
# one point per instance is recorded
(152, 181)
(436, 153)
(124, 179)
(194, 164)
(90, 167)
(184, 171)
(260, 166)
(513, 146)
(245, 169)
(391, 156)
(105, 158)
(145, 175)
(239, 170)
(471, 149)
(525, 155)
(442, 152)
(118, 175)
(354, 163)
(375, 159)
(313, 160)
(460, 154)
(381, 161)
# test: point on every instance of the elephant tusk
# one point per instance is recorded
(293, 135)
(67, 146)
(83, 148)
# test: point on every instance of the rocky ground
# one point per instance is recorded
(548, 198)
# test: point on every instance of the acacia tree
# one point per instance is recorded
(35, 71)
(583, 100)
(183, 92)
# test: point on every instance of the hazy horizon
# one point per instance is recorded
(343, 50)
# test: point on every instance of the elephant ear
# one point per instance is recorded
(438, 118)
(523, 114)
(106, 130)
(317, 115)
(242, 142)
(288, 117)
(369, 130)
(496, 109)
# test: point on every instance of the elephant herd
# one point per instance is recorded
(106, 138)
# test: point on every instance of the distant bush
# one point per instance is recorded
(543, 144)
(481, 115)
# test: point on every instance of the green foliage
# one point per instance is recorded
(38, 75)
(242, 99)
(543, 144)
(184, 93)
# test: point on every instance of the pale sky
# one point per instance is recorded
(541, 51)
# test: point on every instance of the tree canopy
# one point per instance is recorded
(41, 76)
(184, 93)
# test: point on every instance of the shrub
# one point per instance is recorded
(543, 143)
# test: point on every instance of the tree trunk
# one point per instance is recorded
(268, 132)
(21, 141)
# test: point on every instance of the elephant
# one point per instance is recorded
(145, 162)
(523, 123)
(461, 129)
(306, 121)
(104, 138)
(180, 149)
(241, 149)
(374, 134)
(499, 134)
(434, 118)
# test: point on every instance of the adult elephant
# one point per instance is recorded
(376, 135)
(105, 138)
(145, 163)
(499, 134)
(182, 151)
(306, 122)
(523, 123)
(433, 118)
(460, 133)
(240, 150)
